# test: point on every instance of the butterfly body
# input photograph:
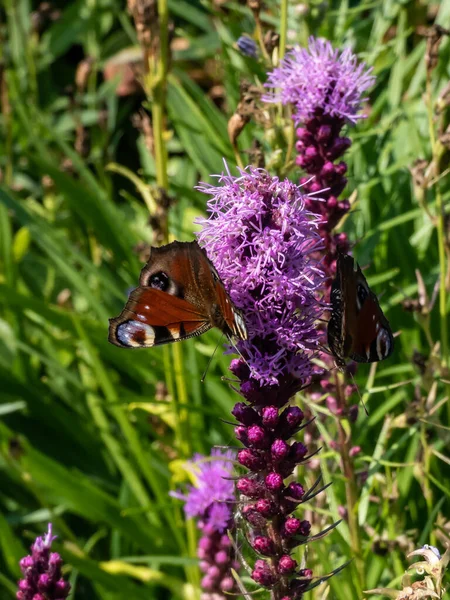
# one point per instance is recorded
(357, 328)
(180, 295)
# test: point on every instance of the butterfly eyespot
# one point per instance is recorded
(362, 294)
(159, 281)
(214, 275)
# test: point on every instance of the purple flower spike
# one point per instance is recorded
(212, 501)
(320, 76)
(263, 242)
(260, 238)
(41, 570)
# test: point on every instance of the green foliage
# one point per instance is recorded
(90, 438)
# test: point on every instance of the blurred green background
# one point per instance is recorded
(93, 437)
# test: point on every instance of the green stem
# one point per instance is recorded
(351, 490)
(440, 235)
(283, 27)
(156, 89)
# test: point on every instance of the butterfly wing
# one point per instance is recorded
(373, 340)
(343, 303)
(357, 328)
(152, 317)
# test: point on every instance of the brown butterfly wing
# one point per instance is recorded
(180, 296)
(152, 317)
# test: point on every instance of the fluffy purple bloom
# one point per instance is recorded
(212, 501)
(260, 238)
(320, 76)
(213, 492)
(263, 242)
(42, 572)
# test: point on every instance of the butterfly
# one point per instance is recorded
(180, 295)
(357, 328)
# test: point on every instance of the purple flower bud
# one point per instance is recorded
(339, 146)
(257, 437)
(241, 434)
(251, 391)
(221, 557)
(333, 406)
(349, 390)
(213, 572)
(227, 584)
(44, 582)
(251, 515)
(204, 565)
(251, 460)
(25, 563)
(328, 171)
(225, 541)
(263, 574)
(342, 511)
(332, 202)
(263, 545)
(298, 452)
(324, 133)
(354, 451)
(205, 543)
(248, 487)
(290, 420)
(24, 586)
(207, 583)
(240, 369)
(286, 565)
(270, 416)
(306, 573)
(265, 507)
(245, 414)
(274, 482)
(304, 135)
(279, 450)
(293, 526)
(294, 490)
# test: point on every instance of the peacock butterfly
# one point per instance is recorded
(180, 295)
(357, 328)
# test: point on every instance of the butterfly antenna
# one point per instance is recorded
(210, 360)
(233, 345)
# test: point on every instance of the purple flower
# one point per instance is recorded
(212, 501)
(213, 492)
(260, 238)
(320, 76)
(42, 572)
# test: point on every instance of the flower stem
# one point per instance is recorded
(440, 235)
(283, 27)
(156, 86)
(351, 492)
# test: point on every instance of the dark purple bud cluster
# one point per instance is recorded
(42, 579)
(271, 456)
(217, 558)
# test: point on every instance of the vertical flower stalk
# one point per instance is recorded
(211, 500)
(325, 88)
(261, 238)
(41, 570)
